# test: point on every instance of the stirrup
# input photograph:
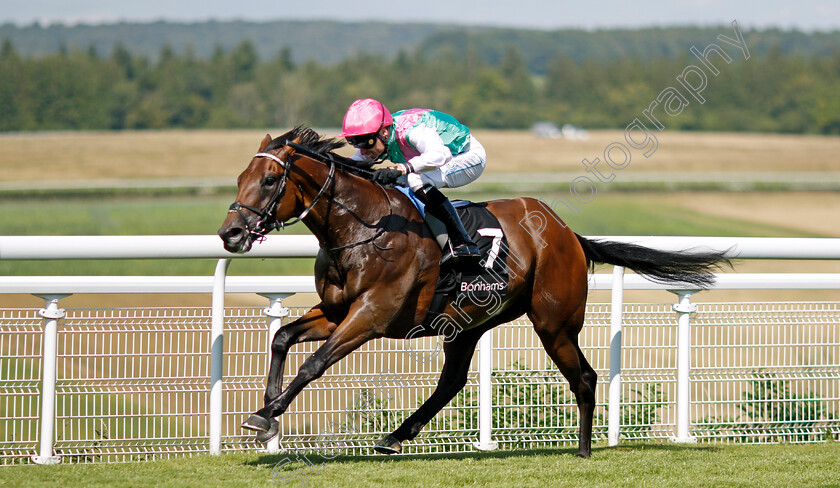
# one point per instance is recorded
(461, 252)
(465, 250)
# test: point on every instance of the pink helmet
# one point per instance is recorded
(365, 116)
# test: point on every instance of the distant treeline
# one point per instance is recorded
(330, 42)
(771, 91)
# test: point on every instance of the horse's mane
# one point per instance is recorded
(323, 146)
(309, 138)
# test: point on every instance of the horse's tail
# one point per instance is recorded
(690, 267)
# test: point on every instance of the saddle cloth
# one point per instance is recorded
(474, 281)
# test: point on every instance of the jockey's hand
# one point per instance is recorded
(386, 176)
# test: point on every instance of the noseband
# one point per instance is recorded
(267, 216)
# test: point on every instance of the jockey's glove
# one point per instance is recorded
(386, 176)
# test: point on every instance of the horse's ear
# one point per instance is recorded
(287, 149)
(264, 142)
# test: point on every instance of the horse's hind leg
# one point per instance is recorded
(453, 377)
(587, 410)
(560, 340)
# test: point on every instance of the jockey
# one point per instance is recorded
(432, 150)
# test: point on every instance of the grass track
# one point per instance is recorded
(630, 465)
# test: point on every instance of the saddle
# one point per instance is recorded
(473, 280)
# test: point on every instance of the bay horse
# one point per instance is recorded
(378, 265)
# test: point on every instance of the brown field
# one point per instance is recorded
(808, 212)
(222, 154)
(677, 151)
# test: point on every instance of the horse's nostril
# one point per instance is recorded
(231, 234)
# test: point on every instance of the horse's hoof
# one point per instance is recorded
(257, 423)
(271, 433)
(388, 445)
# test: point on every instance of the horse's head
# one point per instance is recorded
(264, 200)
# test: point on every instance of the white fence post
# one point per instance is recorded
(684, 309)
(275, 313)
(485, 393)
(616, 312)
(217, 349)
(51, 314)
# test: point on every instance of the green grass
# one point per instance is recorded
(637, 214)
(630, 465)
(115, 215)
(173, 215)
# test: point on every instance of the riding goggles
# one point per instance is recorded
(364, 141)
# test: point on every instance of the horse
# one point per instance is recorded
(378, 265)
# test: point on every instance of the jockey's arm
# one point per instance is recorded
(433, 152)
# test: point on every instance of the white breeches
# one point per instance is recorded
(462, 169)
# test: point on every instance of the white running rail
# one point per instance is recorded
(54, 288)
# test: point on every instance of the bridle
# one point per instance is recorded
(267, 220)
(267, 215)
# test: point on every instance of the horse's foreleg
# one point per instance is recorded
(344, 340)
(452, 379)
(312, 326)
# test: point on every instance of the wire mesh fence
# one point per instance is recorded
(767, 372)
(133, 383)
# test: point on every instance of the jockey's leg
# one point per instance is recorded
(462, 169)
(441, 208)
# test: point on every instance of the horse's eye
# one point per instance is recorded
(269, 181)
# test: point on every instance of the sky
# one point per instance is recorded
(806, 15)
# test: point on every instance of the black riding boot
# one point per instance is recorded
(440, 207)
